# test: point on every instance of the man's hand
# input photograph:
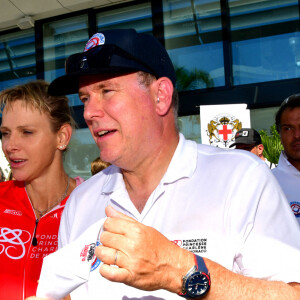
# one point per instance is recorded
(145, 258)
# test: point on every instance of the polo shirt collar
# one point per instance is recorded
(182, 165)
(286, 165)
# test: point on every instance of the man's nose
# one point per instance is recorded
(297, 132)
(93, 108)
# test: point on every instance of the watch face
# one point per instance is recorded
(197, 284)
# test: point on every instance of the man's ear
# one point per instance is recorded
(260, 148)
(164, 94)
(64, 136)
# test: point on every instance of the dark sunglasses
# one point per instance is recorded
(99, 57)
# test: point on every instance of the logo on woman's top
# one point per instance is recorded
(12, 242)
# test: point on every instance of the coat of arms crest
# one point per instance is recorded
(222, 129)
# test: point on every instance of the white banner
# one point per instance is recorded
(219, 123)
(4, 165)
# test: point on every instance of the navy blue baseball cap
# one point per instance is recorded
(116, 51)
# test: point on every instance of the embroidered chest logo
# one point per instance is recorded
(193, 245)
(12, 242)
(296, 208)
(87, 254)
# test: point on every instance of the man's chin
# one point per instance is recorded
(107, 157)
(294, 157)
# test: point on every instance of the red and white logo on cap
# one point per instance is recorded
(96, 40)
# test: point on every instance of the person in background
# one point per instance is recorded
(249, 139)
(36, 129)
(10, 176)
(183, 219)
(2, 176)
(78, 180)
(287, 172)
(97, 165)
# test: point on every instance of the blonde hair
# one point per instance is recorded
(98, 165)
(35, 94)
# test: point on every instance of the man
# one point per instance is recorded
(166, 197)
(249, 139)
(288, 170)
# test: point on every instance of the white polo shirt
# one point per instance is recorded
(221, 204)
(289, 179)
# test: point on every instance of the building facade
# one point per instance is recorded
(224, 52)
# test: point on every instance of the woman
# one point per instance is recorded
(36, 129)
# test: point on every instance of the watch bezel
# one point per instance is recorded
(205, 278)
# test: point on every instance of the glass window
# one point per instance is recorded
(137, 16)
(61, 39)
(265, 40)
(81, 152)
(17, 58)
(193, 38)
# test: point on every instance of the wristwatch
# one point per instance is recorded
(196, 282)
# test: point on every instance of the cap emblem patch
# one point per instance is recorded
(96, 40)
(245, 133)
(84, 63)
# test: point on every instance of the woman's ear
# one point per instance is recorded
(64, 136)
(163, 100)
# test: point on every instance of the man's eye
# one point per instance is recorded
(27, 132)
(83, 99)
(107, 91)
(287, 128)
